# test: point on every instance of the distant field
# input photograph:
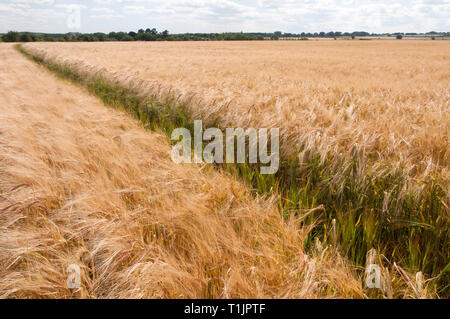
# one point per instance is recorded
(364, 126)
(389, 97)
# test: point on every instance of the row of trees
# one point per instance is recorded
(154, 35)
(140, 35)
(337, 34)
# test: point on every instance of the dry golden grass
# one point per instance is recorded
(374, 112)
(390, 98)
(84, 184)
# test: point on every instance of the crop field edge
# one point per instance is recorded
(351, 223)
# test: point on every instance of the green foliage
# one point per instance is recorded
(147, 36)
(25, 37)
(11, 36)
(154, 35)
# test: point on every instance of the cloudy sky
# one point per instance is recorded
(178, 16)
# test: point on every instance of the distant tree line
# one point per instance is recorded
(140, 35)
(337, 34)
(155, 35)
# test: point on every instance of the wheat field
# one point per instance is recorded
(364, 128)
(364, 148)
(390, 98)
(84, 184)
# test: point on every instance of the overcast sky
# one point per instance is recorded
(179, 16)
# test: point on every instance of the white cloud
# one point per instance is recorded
(233, 15)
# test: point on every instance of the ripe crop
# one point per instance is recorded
(364, 127)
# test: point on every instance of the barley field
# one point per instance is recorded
(389, 98)
(88, 185)
(364, 134)
(364, 128)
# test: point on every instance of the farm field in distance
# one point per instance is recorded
(364, 135)
(391, 98)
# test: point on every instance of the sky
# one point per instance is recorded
(180, 16)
